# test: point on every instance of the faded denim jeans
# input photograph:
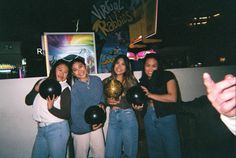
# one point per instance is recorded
(162, 135)
(122, 134)
(51, 141)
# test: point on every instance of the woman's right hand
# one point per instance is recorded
(146, 91)
(113, 101)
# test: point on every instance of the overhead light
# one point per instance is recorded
(204, 17)
(7, 66)
(222, 59)
(199, 64)
(215, 15)
(5, 71)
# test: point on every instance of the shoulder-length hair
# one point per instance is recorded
(52, 74)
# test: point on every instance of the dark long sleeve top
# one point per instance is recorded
(65, 102)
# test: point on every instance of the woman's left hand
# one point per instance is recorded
(96, 126)
(50, 101)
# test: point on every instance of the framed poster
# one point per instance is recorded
(68, 46)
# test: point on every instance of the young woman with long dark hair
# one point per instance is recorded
(122, 134)
(161, 132)
(51, 115)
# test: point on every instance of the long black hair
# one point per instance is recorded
(156, 79)
(159, 69)
(128, 78)
(52, 74)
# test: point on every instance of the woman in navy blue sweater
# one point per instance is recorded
(86, 91)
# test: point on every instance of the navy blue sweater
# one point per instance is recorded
(84, 95)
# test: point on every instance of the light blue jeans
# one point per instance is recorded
(51, 141)
(122, 134)
(162, 135)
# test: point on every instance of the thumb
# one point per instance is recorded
(208, 82)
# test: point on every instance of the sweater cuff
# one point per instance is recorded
(52, 109)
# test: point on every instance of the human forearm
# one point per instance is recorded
(64, 112)
(29, 99)
(194, 107)
(162, 97)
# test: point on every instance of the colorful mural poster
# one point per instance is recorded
(68, 46)
(110, 21)
(115, 44)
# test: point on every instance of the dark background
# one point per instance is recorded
(182, 45)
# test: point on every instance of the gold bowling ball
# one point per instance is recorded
(113, 89)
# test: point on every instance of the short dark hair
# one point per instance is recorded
(78, 59)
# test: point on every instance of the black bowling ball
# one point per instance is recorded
(49, 87)
(94, 115)
(135, 95)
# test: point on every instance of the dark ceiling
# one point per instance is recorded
(27, 20)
